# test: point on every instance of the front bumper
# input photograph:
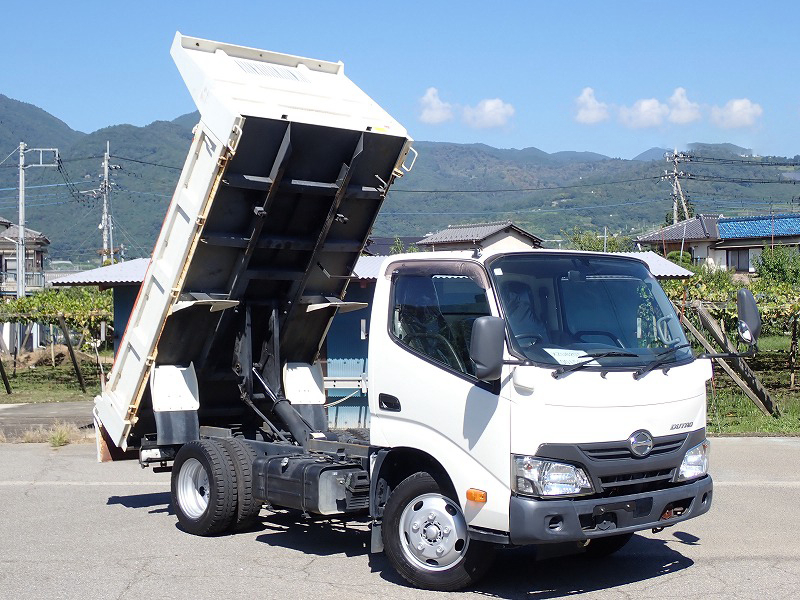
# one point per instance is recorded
(535, 521)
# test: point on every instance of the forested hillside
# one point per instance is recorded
(450, 184)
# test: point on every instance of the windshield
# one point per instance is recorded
(562, 309)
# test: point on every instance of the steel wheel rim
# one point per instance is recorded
(433, 532)
(193, 488)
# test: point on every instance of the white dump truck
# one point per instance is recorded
(520, 398)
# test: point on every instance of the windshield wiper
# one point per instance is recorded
(661, 358)
(590, 357)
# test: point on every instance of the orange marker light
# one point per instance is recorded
(474, 495)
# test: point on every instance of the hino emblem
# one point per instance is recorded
(640, 443)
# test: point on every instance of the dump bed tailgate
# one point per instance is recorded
(284, 179)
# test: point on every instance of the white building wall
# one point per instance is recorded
(506, 242)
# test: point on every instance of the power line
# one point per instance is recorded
(527, 210)
(537, 189)
(688, 157)
(144, 162)
(722, 179)
(14, 151)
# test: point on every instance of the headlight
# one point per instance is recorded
(695, 463)
(537, 477)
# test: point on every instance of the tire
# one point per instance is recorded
(606, 546)
(426, 540)
(247, 507)
(204, 488)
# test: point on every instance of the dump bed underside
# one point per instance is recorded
(286, 227)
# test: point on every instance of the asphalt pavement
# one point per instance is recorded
(75, 529)
(18, 418)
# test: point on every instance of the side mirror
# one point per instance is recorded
(749, 326)
(486, 347)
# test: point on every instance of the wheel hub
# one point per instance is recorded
(192, 488)
(434, 531)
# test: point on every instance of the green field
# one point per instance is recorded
(49, 384)
(731, 412)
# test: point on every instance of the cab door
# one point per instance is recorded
(423, 392)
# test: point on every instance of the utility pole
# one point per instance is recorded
(107, 221)
(21, 253)
(677, 191)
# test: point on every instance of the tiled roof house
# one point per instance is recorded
(720, 241)
(499, 236)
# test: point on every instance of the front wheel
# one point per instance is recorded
(426, 539)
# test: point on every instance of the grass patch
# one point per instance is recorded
(57, 435)
(49, 384)
(774, 343)
(731, 412)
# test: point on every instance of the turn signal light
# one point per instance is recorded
(474, 495)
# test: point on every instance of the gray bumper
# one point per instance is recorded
(550, 521)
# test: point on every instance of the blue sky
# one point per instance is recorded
(614, 77)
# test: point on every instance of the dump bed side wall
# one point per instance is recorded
(117, 405)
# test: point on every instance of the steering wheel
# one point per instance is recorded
(448, 357)
(607, 334)
(534, 337)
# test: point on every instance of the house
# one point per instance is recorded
(729, 242)
(499, 236)
(382, 246)
(36, 245)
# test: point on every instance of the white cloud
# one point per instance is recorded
(739, 112)
(491, 112)
(681, 109)
(434, 109)
(648, 112)
(590, 110)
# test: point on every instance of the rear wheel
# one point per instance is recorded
(426, 539)
(247, 507)
(605, 546)
(204, 487)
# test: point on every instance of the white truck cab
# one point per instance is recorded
(594, 424)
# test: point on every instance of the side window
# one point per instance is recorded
(433, 314)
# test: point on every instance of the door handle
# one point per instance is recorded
(387, 402)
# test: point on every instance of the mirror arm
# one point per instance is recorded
(749, 353)
(518, 362)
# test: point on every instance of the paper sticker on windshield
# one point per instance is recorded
(568, 357)
(498, 271)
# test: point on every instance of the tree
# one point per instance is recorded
(595, 242)
(398, 248)
(780, 264)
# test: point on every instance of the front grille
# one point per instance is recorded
(636, 478)
(620, 450)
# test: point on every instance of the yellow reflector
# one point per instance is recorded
(476, 495)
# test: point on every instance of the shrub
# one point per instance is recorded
(780, 264)
(684, 261)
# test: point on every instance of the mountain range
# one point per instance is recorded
(545, 193)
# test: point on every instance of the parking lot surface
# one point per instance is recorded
(72, 528)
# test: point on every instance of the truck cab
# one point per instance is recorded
(592, 427)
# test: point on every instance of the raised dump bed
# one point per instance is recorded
(286, 173)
